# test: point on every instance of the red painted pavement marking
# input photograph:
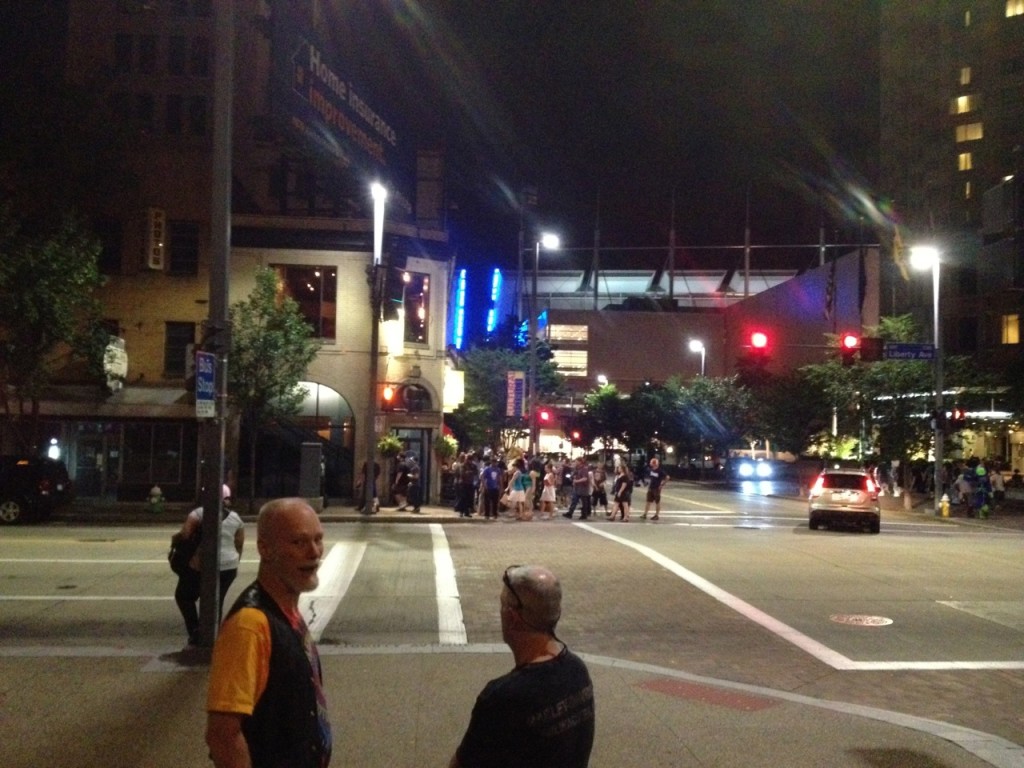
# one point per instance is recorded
(709, 695)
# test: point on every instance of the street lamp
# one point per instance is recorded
(602, 380)
(549, 242)
(377, 276)
(927, 257)
(696, 345)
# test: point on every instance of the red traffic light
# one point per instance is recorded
(759, 341)
(850, 341)
(544, 415)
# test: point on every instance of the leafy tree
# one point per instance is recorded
(604, 416)
(481, 419)
(272, 346)
(715, 412)
(49, 316)
(789, 411)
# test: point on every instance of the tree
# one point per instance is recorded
(49, 316)
(481, 419)
(716, 412)
(272, 346)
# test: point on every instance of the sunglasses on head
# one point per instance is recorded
(508, 583)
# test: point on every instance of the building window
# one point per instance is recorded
(570, 362)
(965, 75)
(182, 247)
(177, 55)
(197, 116)
(315, 290)
(147, 54)
(124, 53)
(174, 119)
(573, 334)
(199, 63)
(964, 162)
(1011, 328)
(416, 302)
(1014, 8)
(969, 132)
(177, 339)
(153, 454)
(109, 232)
(961, 105)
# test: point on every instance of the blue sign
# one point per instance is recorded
(206, 385)
(909, 351)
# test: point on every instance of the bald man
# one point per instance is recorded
(542, 712)
(265, 704)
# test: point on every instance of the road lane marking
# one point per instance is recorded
(805, 643)
(451, 629)
(336, 573)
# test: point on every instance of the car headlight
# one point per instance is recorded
(764, 469)
(746, 469)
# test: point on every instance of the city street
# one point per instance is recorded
(924, 619)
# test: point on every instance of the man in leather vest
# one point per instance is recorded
(265, 705)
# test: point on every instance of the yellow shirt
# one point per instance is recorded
(240, 664)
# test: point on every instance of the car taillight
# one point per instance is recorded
(818, 485)
(870, 485)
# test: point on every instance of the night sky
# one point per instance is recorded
(632, 100)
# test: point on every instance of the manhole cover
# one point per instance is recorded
(860, 620)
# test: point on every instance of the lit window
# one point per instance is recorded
(315, 290)
(416, 301)
(969, 132)
(1011, 329)
(965, 75)
(568, 333)
(1014, 8)
(965, 163)
(570, 362)
(963, 104)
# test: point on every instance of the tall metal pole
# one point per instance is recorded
(939, 384)
(217, 335)
(533, 353)
(377, 276)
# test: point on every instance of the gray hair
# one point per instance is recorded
(540, 593)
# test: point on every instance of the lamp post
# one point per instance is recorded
(550, 242)
(927, 257)
(696, 345)
(602, 380)
(376, 275)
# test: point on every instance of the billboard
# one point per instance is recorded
(321, 104)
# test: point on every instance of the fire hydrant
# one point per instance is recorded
(944, 505)
(156, 499)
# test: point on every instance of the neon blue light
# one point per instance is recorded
(492, 319)
(460, 310)
(495, 285)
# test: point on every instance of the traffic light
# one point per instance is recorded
(849, 345)
(545, 417)
(387, 397)
(957, 419)
(759, 343)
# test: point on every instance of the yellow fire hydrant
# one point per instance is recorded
(944, 505)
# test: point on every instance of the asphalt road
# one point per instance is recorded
(924, 618)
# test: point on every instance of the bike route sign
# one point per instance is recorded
(909, 352)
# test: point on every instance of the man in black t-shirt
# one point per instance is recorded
(541, 714)
(656, 479)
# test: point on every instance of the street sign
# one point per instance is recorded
(909, 351)
(206, 385)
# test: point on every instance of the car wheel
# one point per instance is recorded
(812, 524)
(876, 526)
(11, 511)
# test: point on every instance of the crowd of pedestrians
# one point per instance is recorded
(524, 488)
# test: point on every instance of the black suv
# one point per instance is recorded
(31, 488)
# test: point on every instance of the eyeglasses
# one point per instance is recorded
(508, 583)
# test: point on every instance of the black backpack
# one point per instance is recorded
(183, 550)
